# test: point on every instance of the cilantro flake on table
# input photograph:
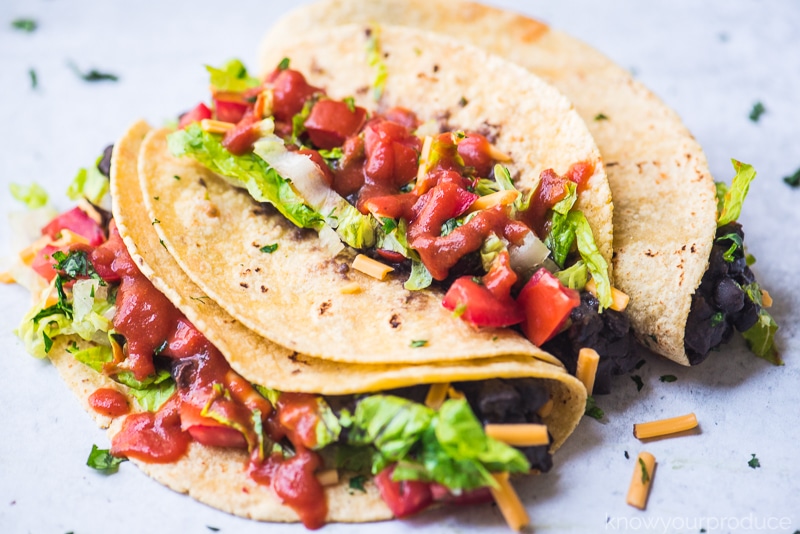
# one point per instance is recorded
(668, 378)
(757, 111)
(593, 410)
(93, 75)
(25, 25)
(753, 462)
(103, 460)
(34, 78)
(638, 381)
(793, 180)
(601, 117)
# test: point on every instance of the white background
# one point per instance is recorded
(709, 62)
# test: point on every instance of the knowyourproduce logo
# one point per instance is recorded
(709, 524)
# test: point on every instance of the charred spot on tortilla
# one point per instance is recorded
(264, 289)
(490, 131)
(394, 321)
(325, 306)
(202, 183)
(244, 285)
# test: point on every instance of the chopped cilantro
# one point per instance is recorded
(48, 342)
(103, 460)
(25, 25)
(94, 75)
(640, 364)
(600, 117)
(593, 410)
(357, 483)
(645, 474)
(753, 462)
(284, 64)
(156, 221)
(793, 180)
(334, 153)
(417, 343)
(389, 224)
(638, 381)
(74, 264)
(668, 378)
(34, 78)
(177, 177)
(717, 319)
(269, 249)
(163, 244)
(463, 102)
(736, 244)
(200, 299)
(757, 111)
(212, 529)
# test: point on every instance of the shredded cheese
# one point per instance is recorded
(499, 198)
(6, 278)
(371, 267)
(212, 126)
(587, 367)
(263, 106)
(546, 409)
(329, 477)
(642, 479)
(350, 289)
(436, 395)
(496, 155)
(453, 393)
(766, 299)
(619, 299)
(664, 427)
(423, 157)
(519, 435)
(508, 502)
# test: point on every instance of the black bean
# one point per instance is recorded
(728, 296)
(104, 166)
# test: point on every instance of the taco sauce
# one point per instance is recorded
(213, 405)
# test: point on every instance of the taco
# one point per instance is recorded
(472, 225)
(683, 267)
(305, 442)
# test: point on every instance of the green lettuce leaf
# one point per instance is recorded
(562, 232)
(734, 197)
(503, 177)
(250, 171)
(575, 276)
(103, 461)
(232, 77)
(595, 262)
(420, 277)
(760, 338)
(90, 184)
(152, 392)
(33, 196)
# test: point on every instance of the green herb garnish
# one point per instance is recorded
(34, 78)
(93, 75)
(417, 343)
(593, 410)
(269, 249)
(75, 264)
(357, 483)
(793, 180)
(668, 378)
(753, 462)
(284, 64)
(25, 25)
(600, 117)
(757, 111)
(102, 460)
(645, 474)
(638, 381)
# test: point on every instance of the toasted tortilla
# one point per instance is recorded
(215, 231)
(218, 477)
(664, 195)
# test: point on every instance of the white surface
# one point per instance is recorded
(711, 63)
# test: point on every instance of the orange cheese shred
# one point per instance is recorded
(371, 267)
(436, 395)
(499, 198)
(639, 489)
(619, 300)
(508, 502)
(546, 409)
(519, 435)
(664, 427)
(587, 367)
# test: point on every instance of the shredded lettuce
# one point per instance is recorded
(375, 61)
(420, 277)
(232, 77)
(575, 276)
(595, 262)
(328, 427)
(250, 171)
(503, 177)
(562, 232)
(152, 392)
(735, 195)
(33, 196)
(90, 184)
(490, 249)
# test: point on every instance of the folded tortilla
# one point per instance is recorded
(218, 477)
(294, 296)
(664, 195)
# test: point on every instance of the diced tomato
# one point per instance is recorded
(474, 150)
(392, 206)
(240, 139)
(75, 220)
(208, 431)
(580, 173)
(392, 153)
(547, 305)
(332, 121)
(489, 302)
(197, 114)
(105, 256)
(327, 174)
(405, 497)
(230, 109)
(289, 92)
(402, 116)
(477, 496)
(43, 263)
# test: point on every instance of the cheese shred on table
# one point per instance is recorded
(664, 427)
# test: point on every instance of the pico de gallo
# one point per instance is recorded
(436, 204)
(172, 387)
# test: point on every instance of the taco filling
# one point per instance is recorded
(422, 448)
(419, 198)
